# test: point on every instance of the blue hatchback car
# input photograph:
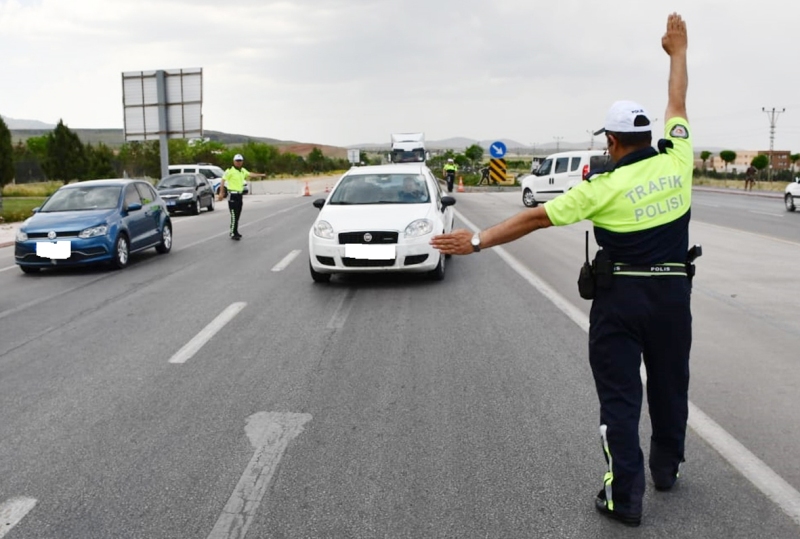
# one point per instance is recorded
(94, 221)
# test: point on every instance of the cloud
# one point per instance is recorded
(345, 71)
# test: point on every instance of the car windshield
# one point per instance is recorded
(408, 156)
(179, 180)
(98, 197)
(381, 189)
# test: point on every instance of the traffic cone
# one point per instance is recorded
(307, 193)
(460, 184)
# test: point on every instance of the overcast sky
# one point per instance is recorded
(344, 72)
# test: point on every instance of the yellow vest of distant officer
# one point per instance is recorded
(234, 179)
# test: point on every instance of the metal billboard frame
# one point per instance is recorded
(162, 104)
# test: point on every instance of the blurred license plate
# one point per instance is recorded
(170, 202)
(369, 252)
(57, 250)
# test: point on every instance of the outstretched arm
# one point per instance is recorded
(675, 43)
(458, 241)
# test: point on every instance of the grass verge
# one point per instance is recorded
(19, 208)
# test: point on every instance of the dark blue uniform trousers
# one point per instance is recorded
(649, 318)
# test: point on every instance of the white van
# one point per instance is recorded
(559, 173)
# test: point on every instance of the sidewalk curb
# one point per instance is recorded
(727, 191)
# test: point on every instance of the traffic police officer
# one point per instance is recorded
(640, 208)
(233, 182)
(449, 172)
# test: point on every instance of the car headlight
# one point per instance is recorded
(93, 232)
(323, 229)
(186, 196)
(420, 227)
(22, 235)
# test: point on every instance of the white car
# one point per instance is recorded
(380, 219)
(792, 195)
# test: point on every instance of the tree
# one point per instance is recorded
(729, 156)
(704, 155)
(474, 153)
(66, 156)
(101, 162)
(316, 160)
(760, 162)
(6, 155)
(794, 158)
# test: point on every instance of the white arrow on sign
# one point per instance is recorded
(270, 434)
(497, 149)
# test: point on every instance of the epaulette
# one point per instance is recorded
(664, 145)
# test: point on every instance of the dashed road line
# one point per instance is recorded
(205, 335)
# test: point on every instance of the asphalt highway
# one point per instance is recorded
(217, 392)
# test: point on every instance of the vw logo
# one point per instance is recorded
(367, 237)
(51, 235)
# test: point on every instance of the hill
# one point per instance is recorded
(114, 138)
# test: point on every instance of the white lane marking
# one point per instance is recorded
(749, 465)
(342, 311)
(8, 268)
(768, 214)
(12, 511)
(696, 203)
(280, 266)
(193, 346)
(270, 434)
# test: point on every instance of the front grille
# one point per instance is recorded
(326, 260)
(378, 238)
(69, 234)
(415, 259)
(366, 263)
(76, 256)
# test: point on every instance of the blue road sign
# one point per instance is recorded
(497, 150)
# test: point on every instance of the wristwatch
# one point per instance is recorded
(476, 242)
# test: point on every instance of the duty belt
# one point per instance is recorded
(677, 269)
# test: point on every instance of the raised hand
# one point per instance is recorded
(675, 40)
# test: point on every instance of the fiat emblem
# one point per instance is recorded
(367, 237)
(51, 235)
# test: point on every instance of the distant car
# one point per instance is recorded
(380, 219)
(186, 192)
(792, 195)
(559, 173)
(94, 221)
(212, 172)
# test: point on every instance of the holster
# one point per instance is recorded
(596, 275)
(586, 286)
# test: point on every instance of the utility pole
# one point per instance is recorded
(591, 134)
(773, 119)
(558, 142)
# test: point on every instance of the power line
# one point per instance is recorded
(558, 142)
(773, 120)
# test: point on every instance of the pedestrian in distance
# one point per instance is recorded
(233, 185)
(749, 178)
(639, 283)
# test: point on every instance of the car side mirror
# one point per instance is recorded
(319, 203)
(448, 201)
(134, 207)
